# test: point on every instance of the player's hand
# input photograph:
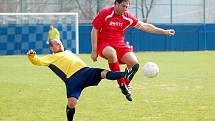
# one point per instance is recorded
(170, 32)
(94, 55)
(30, 52)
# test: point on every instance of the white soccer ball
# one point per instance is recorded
(150, 69)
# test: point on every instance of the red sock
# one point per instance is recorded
(127, 82)
(115, 67)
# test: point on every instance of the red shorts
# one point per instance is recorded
(121, 49)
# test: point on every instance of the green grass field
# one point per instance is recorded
(183, 91)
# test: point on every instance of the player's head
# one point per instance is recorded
(51, 26)
(56, 46)
(121, 6)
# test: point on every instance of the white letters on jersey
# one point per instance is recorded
(115, 23)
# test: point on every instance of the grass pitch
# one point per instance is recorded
(183, 91)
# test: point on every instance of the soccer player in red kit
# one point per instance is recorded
(107, 38)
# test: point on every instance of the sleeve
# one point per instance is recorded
(41, 61)
(135, 20)
(99, 20)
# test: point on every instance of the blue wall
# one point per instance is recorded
(189, 37)
(17, 39)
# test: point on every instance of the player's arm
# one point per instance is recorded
(97, 23)
(153, 29)
(94, 38)
(40, 61)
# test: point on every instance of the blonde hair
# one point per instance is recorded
(57, 40)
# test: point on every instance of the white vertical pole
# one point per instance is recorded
(77, 35)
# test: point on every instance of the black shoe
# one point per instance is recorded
(125, 91)
(131, 72)
(128, 97)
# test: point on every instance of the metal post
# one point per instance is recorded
(21, 6)
(62, 3)
(171, 14)
(100, 5)
(205, 33)
(204, 11)
(136, 9)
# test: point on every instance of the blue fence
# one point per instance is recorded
(18, 39)
(189, 37)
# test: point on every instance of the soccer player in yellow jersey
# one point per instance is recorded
(74, 72)
(53, 33)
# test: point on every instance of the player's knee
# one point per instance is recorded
(112, 57)
(110, 54)
(72, 102)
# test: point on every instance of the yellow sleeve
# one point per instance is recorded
(41, 61)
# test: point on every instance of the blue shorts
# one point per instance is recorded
(81, 79)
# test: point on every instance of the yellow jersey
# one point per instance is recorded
(54, 34)
(64, 64)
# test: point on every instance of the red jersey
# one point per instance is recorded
(112, 26)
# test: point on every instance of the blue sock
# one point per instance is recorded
(114, 75)
(70, 113)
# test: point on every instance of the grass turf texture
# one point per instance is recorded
(183, 91)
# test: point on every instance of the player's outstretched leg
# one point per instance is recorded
(132, 71)
(115, 67)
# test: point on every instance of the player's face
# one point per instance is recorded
(51, 27)
(56, 47)
(121, 8)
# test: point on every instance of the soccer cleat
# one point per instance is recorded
(125, 91)
(128, 97)
(131, 72)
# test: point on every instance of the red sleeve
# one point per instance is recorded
(135, 20)
(99, 19)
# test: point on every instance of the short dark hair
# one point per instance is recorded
(120, 1)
